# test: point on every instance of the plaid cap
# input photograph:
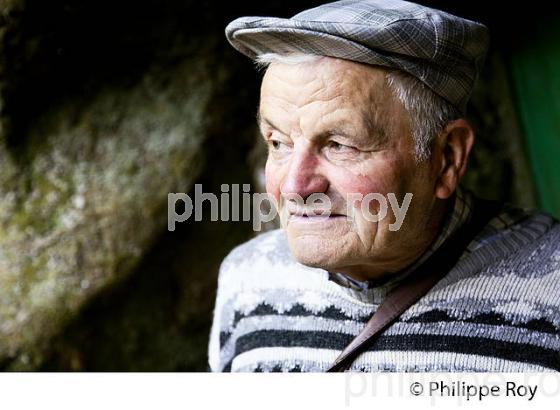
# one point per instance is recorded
(443, 51)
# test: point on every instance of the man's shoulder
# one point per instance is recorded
(538, 244)
(512, 277)
(514, 229)
(517, 240)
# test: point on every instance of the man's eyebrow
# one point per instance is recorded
(336, 130)
(370, 130)
(265, 121)
(372, 127)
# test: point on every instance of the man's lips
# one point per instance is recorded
(313, 216)
(311, 213)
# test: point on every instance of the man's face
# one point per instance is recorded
(333, 127)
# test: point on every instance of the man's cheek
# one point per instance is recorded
(350, 182)
(365, 198)
(272, 182)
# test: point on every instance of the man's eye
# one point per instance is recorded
(277, 145)
(337, 147)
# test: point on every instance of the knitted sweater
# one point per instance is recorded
(497, 310)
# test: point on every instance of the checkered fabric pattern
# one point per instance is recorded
(443, 51)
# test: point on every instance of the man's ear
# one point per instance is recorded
(455, 143)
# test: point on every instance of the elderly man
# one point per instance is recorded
(368, 97)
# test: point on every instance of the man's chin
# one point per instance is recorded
(314, 252)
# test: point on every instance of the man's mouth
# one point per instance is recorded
(312, 216)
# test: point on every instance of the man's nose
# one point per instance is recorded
(304, 177)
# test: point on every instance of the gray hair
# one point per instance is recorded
(429, 113)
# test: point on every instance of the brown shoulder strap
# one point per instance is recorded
(417, 284)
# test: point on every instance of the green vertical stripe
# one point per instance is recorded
(536, 76)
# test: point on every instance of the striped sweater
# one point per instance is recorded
(497, 310)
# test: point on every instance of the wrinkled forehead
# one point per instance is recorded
(326, 90)
(325, 78)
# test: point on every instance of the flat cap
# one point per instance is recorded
(443, 51)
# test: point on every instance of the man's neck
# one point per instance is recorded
(441, 225)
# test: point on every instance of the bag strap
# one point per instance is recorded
(418, 283)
